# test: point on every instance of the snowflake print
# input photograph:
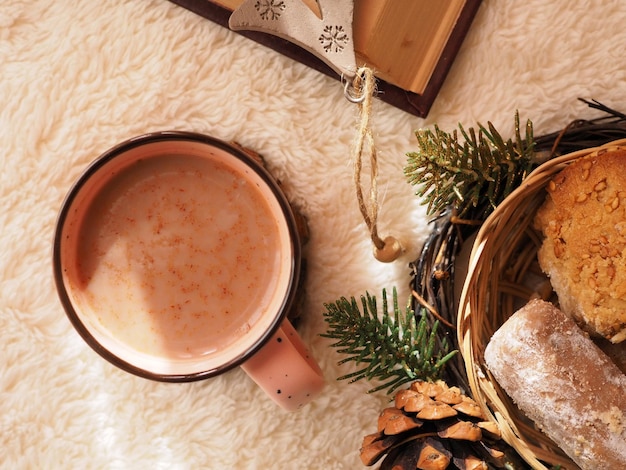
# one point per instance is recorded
(333, 39)
(269, 9)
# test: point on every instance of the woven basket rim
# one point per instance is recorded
(473, 327)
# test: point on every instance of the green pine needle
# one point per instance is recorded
(462, 174)
(393, 348)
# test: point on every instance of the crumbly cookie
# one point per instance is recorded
(584, 249)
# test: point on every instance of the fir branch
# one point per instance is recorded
(394, 348)
(462, 174)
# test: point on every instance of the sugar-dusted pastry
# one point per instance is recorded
(584, 250)
(562, 381)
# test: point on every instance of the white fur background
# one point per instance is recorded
(78, 77)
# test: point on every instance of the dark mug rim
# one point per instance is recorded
(155, 137)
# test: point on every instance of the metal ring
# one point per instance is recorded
(350, 96)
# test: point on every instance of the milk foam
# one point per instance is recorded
(178, 257)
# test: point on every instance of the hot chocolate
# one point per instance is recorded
(178, 256)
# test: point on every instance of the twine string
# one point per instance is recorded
(364, 85)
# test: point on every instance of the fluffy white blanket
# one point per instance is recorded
(78, 77)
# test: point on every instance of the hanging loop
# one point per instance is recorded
(364, 88)
(351, 94)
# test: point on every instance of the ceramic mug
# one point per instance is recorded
(176, 257)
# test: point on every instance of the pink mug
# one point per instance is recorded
(176, 257)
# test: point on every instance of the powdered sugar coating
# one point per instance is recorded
(562, 381)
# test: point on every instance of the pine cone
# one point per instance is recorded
(433, 426)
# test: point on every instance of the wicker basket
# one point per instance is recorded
(502, 258)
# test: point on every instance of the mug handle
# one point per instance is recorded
(285, 369)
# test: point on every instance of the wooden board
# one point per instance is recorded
(411, 44)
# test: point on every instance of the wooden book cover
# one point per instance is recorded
(411, 44)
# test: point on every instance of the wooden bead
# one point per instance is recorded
(390, 251)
